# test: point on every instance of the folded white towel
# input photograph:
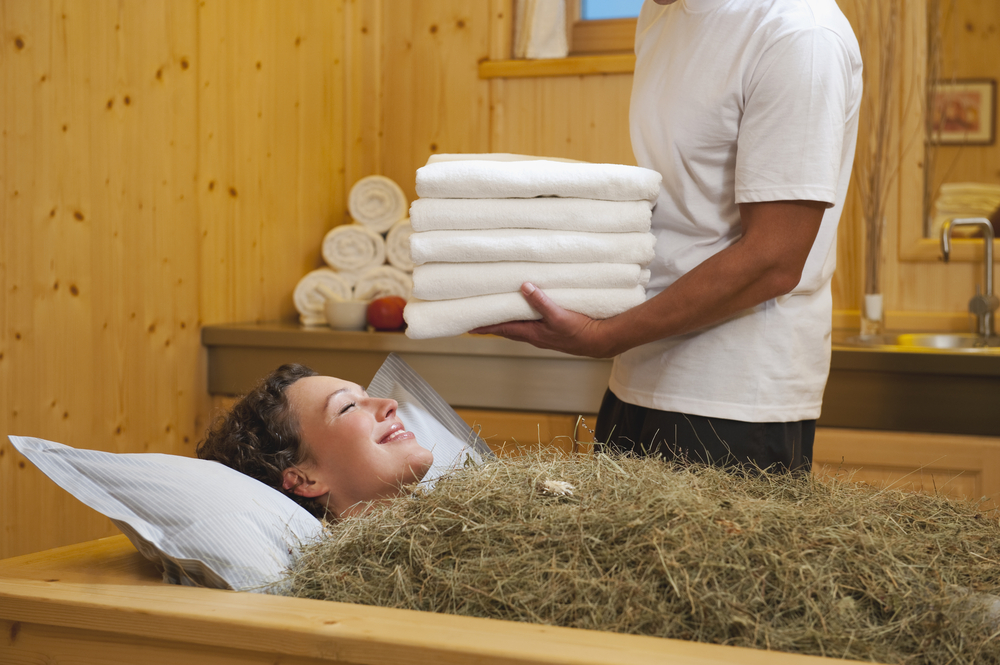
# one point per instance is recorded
(542, 213)
(482, 179)
(397, 245)
(530, 245)
(444, 281)
(383, 281)
(493, 157)
(444, 318)
(353, 248)
(309, 298)
(376, 202)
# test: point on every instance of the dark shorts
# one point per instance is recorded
(728, 443)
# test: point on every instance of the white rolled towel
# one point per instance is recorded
(551, 213)
(353, 248)
(490, 179)
(444, 281)
(530, 245)
(376, 202)
(383, 281)
(445, 318)
(397, 245)
(309, 298)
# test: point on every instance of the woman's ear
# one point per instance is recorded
(298, 482)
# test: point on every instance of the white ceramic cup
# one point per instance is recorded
(346, 314)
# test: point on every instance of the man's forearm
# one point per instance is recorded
(765, 263)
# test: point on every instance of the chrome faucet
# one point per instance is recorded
(984, 303)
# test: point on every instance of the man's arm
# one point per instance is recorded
(766, 262)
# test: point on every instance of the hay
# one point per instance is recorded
(646, 547)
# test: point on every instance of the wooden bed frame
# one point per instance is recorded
(101, 601)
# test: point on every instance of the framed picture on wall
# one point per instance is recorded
(964, 112)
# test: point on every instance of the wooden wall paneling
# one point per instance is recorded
(579, 117)
(501, 29)
(363, 92)
(154, 206)
(604, 124)
(500, 48)
(270, 150)
(101, 285)
(433, 98)
(848, 279)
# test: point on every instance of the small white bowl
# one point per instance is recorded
(346, 314)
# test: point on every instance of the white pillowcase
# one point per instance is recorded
(208, 525)
(204, 523)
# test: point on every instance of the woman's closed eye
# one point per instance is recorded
(346, 407)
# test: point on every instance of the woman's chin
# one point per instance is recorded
(420, 464)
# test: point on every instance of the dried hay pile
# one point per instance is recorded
(646, 547)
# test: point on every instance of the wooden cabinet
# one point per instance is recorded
(956, 465)
(508, 432)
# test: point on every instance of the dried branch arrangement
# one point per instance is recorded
(643, 546)
(875, 165)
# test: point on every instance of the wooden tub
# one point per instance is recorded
(103, 602)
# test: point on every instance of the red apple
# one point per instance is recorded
(386, 313)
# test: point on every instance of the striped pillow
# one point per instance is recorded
(203, 523)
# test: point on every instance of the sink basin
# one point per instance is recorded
(966, 342)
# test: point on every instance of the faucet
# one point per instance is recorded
(984, 302)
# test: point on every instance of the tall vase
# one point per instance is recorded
(872, 315)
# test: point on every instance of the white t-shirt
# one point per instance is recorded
(739, 101)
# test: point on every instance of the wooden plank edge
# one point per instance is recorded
(616, 63)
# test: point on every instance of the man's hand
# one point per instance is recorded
(558, 329)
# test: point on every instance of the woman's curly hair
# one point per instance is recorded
(259, 436)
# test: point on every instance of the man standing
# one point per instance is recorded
(749, 110)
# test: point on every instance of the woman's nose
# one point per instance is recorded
(385, 408)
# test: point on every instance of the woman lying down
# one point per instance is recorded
(320, 440)
(633, 545)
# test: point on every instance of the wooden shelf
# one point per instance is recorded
(584, 65)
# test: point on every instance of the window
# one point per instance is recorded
(602, 26)
(596, 10)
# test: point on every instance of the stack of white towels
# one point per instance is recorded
(366, 259)
(485, 224)
(957, 200)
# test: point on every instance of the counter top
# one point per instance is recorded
(876, 388)
(472, 371)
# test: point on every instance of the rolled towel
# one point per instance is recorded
(445, 281)
(377, 202)
(353, 248)
(444, 318)
(397, 245)
(488, 179)
(530, 245)
(309, 298)
(383, 281)
(545, 213)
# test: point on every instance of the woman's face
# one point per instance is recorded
(355, 447)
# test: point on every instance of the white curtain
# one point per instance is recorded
(540, 29)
